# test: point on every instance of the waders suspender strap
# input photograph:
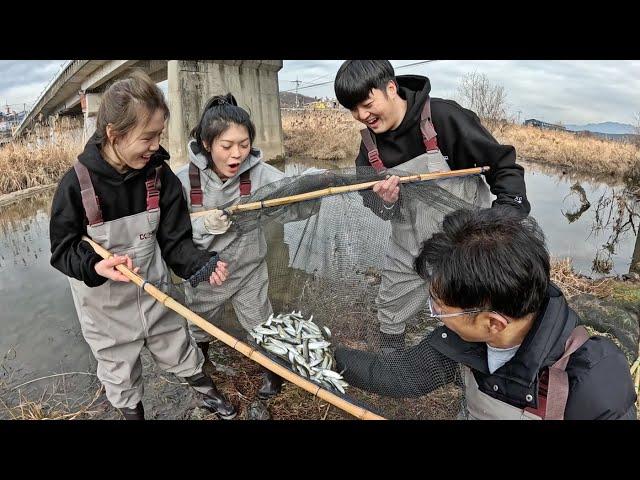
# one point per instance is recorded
(153, 189)
(426, 128)
(372, 150)
(245, 184)
(552, 408)
(90, 200)
(196, 194)
(194, 180)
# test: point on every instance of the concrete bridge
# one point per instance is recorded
(254, 83)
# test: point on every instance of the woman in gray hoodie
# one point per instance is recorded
(224, 166)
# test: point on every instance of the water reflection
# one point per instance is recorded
(39, 331)
(593, 220)
(577, 189)
(617, 213)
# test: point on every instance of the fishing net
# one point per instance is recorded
(344, 306)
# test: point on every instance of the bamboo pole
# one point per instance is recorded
(274, 202)
(236, 344)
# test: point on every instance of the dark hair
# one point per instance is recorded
(356, 78)
(121, 102)
(218, 114)
(492, 258)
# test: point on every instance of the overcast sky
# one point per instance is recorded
(573, 92)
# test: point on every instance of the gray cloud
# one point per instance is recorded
(570, 91)
(23, 80)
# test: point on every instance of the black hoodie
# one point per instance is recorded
(120, 195)
(461, 138)
(600, 384)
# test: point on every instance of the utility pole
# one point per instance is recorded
(297, 82)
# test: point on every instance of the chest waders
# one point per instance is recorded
(117, 318)
(403, 293)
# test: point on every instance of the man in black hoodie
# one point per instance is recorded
(408, 130)
(508, 336)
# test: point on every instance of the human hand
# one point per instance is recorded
(216, 222)
(220, 274)
(388, 190)
(107, 268)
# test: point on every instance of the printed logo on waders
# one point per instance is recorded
(145, 236)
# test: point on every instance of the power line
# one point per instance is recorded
(331, 81)
(415, 63)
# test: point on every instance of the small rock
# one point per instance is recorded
(199, 414)
(232, 372)
(258, 411)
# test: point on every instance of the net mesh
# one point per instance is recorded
(328, 289)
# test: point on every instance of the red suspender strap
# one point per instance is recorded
(90, 201)
(558, 390)
(153, 189)
(194, 180)
(245, 184)
(372, 150)
(426, 127)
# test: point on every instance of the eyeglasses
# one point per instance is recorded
(434, 311)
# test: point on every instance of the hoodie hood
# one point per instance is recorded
(414, 89)
(201, 161)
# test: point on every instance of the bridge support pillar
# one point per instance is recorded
(254, 84)
(90, 103)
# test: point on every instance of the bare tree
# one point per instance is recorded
(486, 99)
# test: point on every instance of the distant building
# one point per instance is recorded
(10, 118)
(540, 124)
(322, 104)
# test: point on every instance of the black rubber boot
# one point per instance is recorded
(211, 398)
(391, 342)
(135, 413)
(271, 385)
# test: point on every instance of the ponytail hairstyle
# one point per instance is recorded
(219, 113)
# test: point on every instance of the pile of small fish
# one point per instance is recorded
(304, 344)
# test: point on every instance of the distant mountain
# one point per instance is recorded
(288, 99)
(604, 127)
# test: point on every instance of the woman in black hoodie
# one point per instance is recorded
(121, 194)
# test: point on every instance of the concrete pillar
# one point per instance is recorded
(254, 84)
(90, 103)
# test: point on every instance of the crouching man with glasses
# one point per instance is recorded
(509, 338)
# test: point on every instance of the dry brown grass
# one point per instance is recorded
(333, 135)
(587, 154)
(52, 404)
(40, 158)
(572, 284)
(321, 134)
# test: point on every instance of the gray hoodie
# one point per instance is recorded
(217, 193)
